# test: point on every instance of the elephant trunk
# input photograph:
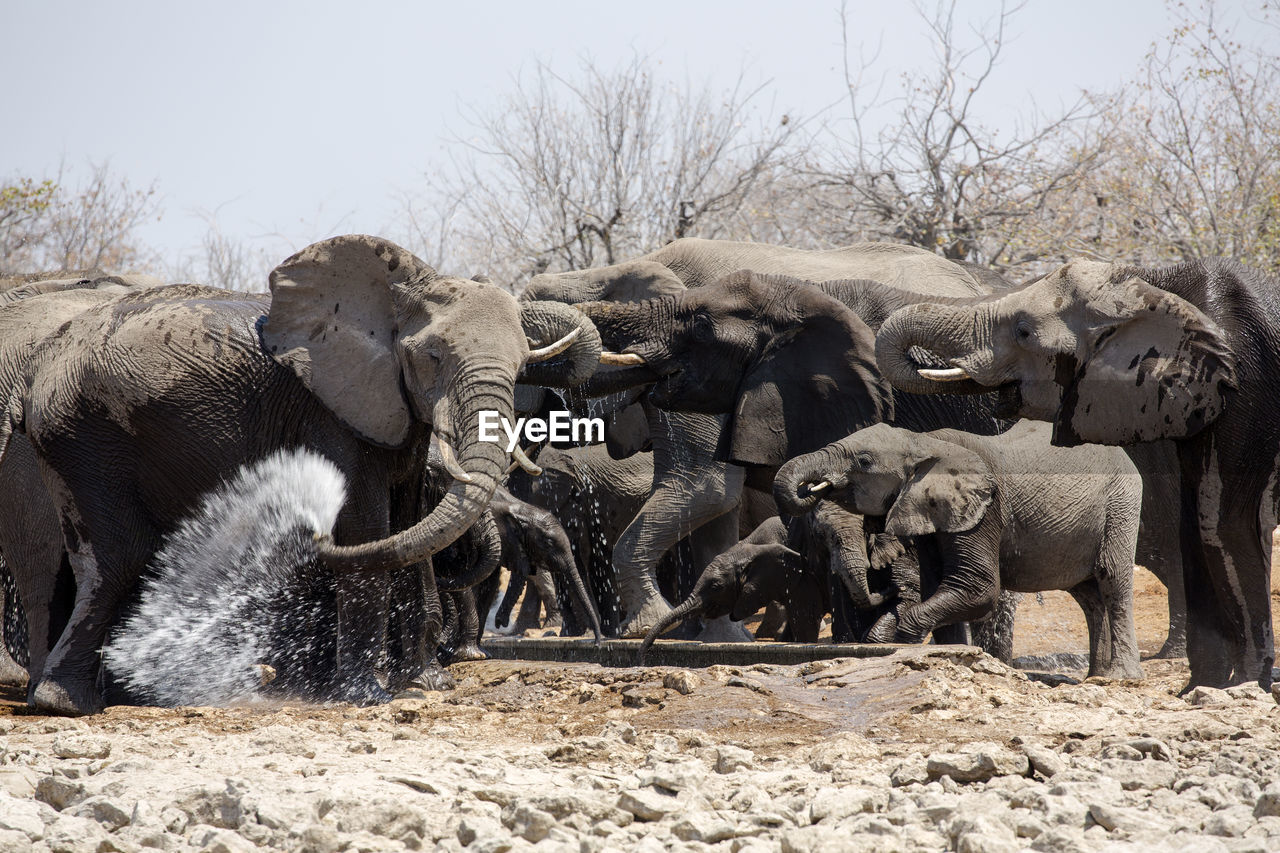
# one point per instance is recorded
(486, 560)
(934, 349)
(847, 547)
(545, 322)
(568, 569)
(688, 607)
(798, 488)
(483, 462)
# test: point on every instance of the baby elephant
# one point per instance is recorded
(989, 512)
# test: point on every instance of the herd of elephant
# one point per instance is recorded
(807, 432)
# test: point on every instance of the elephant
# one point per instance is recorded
(707, 489)
(991, 513)
(535, 545)
(1120, 354)
(773, 365)
(144, 402)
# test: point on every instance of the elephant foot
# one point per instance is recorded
(650, 613)
(722, 629)
(362, 690)
(1119, 671)
(11, 673)
(1174, 647)
(467, 652)
(70, 699)
(433, 678)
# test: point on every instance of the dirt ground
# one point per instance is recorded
(931, 748)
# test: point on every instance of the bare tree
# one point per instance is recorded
(52, 225)
(932, 175)
(573, 172)
(1197, 168)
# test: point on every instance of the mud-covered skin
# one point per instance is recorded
(137, 406)
(1116, 354)
(994, 512)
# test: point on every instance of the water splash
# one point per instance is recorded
(235, 588)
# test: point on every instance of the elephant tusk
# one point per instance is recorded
(553, 350)
(950, 374)
(525, 462)
(451, 462)
(621, 358)
(819, 487)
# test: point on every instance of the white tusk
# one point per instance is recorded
(625, 358)
(451, 462)
(819, 487)
(950, 374)
(552, 350)
(525, 462)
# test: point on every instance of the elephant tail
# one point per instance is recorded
(683, 611)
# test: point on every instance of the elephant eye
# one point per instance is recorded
(1022, 331)
(863, 461)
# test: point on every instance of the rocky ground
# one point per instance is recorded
(932, 748)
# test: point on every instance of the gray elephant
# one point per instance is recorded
(706, 490)
(535, 545)
(143, 403)
(1119, 354)
(993, 512)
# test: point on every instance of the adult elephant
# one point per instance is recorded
(141, 404)
(781, 366)
(700, 491)
(1117, 354)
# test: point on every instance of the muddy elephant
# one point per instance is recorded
(993, 512)
(1118, 354)
(139, 405)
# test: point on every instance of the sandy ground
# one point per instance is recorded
(933, 748)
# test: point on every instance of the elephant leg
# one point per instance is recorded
(1158, 548)
(1088, 595)
(467, 630)
(546, 589)
(686, 495)
(710, 541)
(11, 672)
(953, 603)
(433, 676)
(1226, 526)
(515, 585)
(771, 625)
(1114, 573)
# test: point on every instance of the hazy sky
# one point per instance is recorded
(307, 119)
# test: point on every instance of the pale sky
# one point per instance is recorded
(308, 119)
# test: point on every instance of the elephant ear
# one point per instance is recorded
(945, 494)
(814, 383)
(332, 321)
(1158, 368)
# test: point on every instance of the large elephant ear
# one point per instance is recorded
(947, 493)
(813, 384)
(332, 321)
(1158, 368)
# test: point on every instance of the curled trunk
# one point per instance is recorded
(483, 461)
(931, 336)
(792, 486)
(545, 322)
(488, 554)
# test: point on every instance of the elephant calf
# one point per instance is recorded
(991, 512)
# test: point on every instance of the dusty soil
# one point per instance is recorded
(932, 748)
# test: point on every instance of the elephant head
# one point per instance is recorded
(738, 582)
(385, 342)
(918, 483)
(767, 351)
(1096, 349)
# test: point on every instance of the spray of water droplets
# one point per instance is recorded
(234, 588)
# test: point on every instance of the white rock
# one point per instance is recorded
(77, 745)
(21, 816)
(730, 758)
(648, 804)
